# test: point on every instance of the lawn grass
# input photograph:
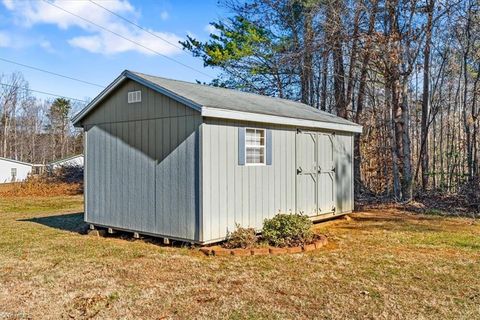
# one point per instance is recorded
(379, 265)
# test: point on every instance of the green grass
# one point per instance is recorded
(378, 265)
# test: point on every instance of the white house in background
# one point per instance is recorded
(13, 170)
(73, 161)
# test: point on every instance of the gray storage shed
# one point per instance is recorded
(187, 161)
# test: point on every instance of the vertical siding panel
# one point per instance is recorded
(132, 210)
(237, 178)
(252, 191)
(190, 220)
(174, 174)
(230, 175)
(96, 195)
(90, 177)
(98, 186)
(277, 155)
(160, 177)
(264, 200)
(206, 181)
(214, 184)
(138, 198)
(283, 170)
(146, 172)
(108, 169)
(103, 177)
(271, 177)
(151, 173)
(125, 177)
(288, 167)
(115, 177)
(292, 170)
(182, 177)
(166, 176)
(159, 210)
(261, 195)
(222, 178)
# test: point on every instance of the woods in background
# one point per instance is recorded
(408, 71)
(32, 130)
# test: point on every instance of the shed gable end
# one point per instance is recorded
(153, 105)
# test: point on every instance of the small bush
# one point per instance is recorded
(67, 174)
(287, 230)
(241, 238)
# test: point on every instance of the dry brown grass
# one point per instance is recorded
(39, 187)
(379, 265)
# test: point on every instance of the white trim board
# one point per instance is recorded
(256, 117)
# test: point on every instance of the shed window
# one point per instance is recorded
(14, 173)
(254, 146)
(134, 96)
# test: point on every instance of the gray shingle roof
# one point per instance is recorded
(229, 104)
(229, 99)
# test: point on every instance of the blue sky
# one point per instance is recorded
(38, 34)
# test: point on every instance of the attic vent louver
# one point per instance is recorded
(134, 96)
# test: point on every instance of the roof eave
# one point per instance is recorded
(257, 117)
(16, 161)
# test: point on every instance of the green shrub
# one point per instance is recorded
(241, 238)
(286, 230)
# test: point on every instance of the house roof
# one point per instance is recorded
(65, 159)
(225, 103)
(16, 161)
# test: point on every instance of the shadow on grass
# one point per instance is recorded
(72, 222)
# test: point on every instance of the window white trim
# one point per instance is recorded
(261, 147)
(134, 96)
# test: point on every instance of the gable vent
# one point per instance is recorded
(134, 96)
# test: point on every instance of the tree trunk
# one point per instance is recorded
(426, 97)
(361, 99)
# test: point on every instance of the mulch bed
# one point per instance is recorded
(218, 251)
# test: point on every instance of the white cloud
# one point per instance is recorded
(107, 43)
(164, 15)
(30, 13)
(5, 40)
(8, 4)
(47, 45)
(210, 29)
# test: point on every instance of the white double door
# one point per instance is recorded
(315, 176)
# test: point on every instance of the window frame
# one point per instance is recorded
(264, 147)
(134, 96)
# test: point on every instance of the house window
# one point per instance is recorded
(14, 174)
(254, 146)
(134, 96)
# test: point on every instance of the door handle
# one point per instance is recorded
(299, 170)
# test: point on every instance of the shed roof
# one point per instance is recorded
(231, 104)
(66, 159)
